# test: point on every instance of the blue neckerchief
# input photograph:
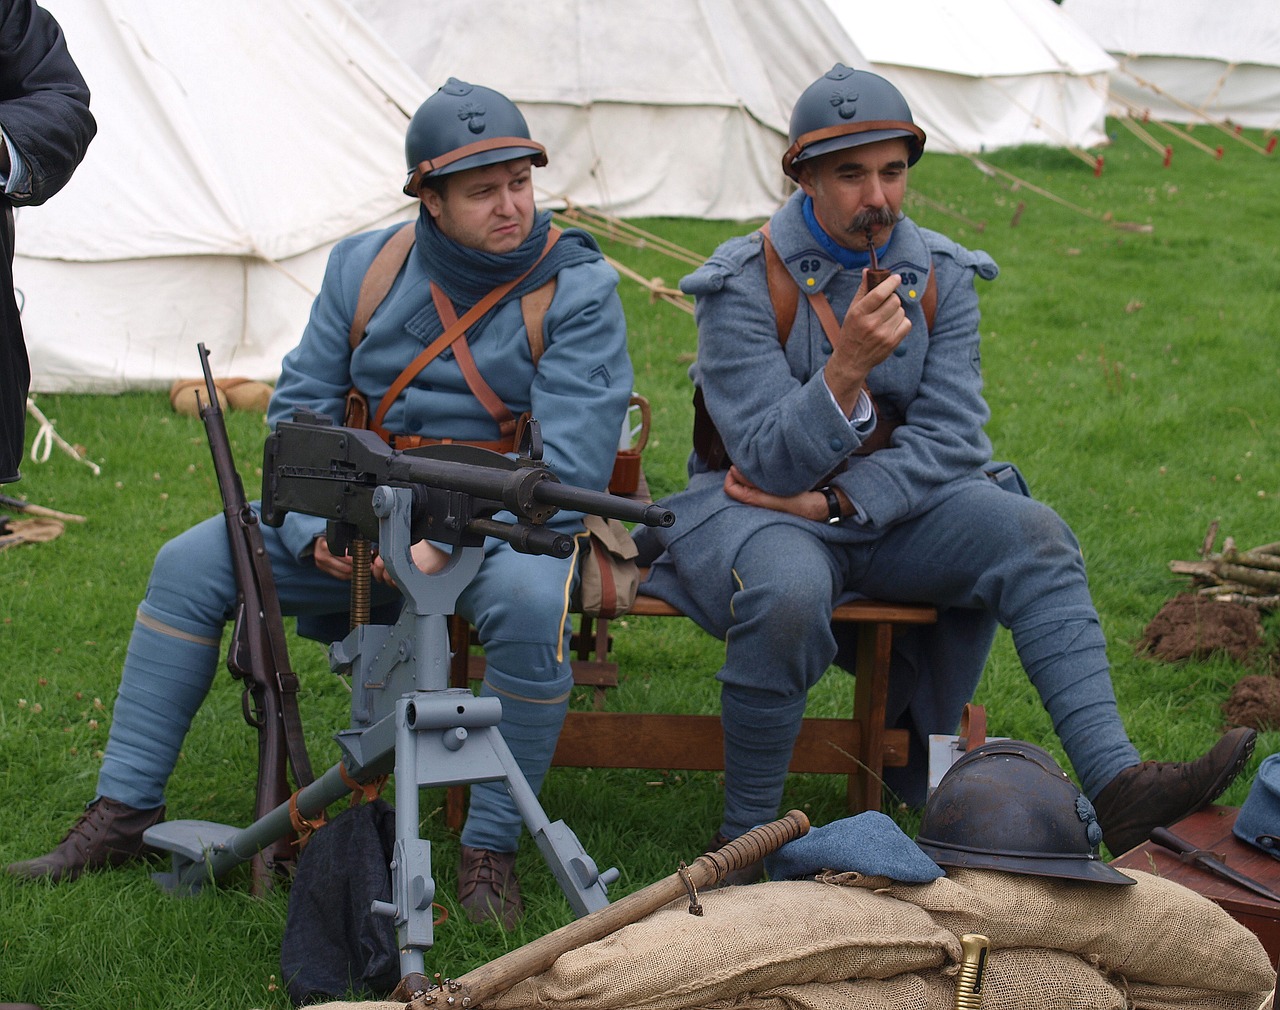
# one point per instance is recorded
(847, 258)
(466, 275)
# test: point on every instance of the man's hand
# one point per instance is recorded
(875, 324)
(806, 504)
(426, 556)
(339, 566)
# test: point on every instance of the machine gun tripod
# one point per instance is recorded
(404, 716)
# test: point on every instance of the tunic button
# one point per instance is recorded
(899, 351)
(836, 445)
(826, 346)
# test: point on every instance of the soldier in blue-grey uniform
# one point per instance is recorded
(844, 454)
(470, 159)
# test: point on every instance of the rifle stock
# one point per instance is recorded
(258, 654)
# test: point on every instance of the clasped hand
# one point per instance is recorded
(806, 504)
(426, 556)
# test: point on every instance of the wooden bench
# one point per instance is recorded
(859, 746)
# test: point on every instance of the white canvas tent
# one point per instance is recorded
(984, 74)
(237, 141)
(1188, 61)
(666, 107)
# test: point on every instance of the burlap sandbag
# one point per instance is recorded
(1021, 978)
(749, 940)
(1156, 932)
(1056, 945)
(909, 991)
(366, 1005)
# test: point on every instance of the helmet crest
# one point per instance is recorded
(472, 114)
(845, 103)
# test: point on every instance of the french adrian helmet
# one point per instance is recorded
(465, 126)
(1008, 806)
(847, 108)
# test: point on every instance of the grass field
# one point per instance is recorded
(1131, 367)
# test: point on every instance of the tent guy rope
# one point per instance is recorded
(47, 437)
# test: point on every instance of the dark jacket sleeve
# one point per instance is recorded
(44, 101)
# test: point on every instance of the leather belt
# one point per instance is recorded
(417, 441)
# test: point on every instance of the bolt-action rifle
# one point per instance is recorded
(258, 654)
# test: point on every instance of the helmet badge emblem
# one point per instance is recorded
(472, 113)
(845, 103)
(1084, 810)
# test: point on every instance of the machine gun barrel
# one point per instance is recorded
(599, 503)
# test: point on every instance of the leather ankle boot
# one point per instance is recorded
(108, 833)
(487, 886)
(1160, 793)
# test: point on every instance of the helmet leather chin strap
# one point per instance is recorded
(522, 145)
(845, 130)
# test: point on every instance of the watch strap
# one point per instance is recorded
(834, 511)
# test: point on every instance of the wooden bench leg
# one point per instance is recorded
(870, 699)
(593, 645)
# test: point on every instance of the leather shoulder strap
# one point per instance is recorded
(378, 279)
(452, 333)
(784, 293)
(534, 307)
(929, 300)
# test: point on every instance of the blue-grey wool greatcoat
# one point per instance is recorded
(782, 429)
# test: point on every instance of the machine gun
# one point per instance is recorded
(312, 466)
(258, 655)
(404, 715)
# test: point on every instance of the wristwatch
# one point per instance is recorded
(834, 512)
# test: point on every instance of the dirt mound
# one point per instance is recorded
(1192, 627)
(1254, 701)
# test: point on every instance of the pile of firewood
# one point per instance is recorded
(1239, 576)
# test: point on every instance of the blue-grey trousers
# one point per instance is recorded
(981, 555)
(516, 602)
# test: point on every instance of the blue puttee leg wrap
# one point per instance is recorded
(760, 730)
(532, 714)
(167, 674)
(1064, 653)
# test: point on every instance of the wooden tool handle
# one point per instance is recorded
(1166, 838)
(747, 849)
(39, 510)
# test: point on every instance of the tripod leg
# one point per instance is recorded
(574, 870)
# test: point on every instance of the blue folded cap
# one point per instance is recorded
(1258, 822)
(869, 843)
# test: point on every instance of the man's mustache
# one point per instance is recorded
(873, 219)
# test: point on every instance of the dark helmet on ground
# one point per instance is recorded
(1008, 806)
(848, 108)
(465, 126)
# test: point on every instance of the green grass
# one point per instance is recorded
(1132, 375)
